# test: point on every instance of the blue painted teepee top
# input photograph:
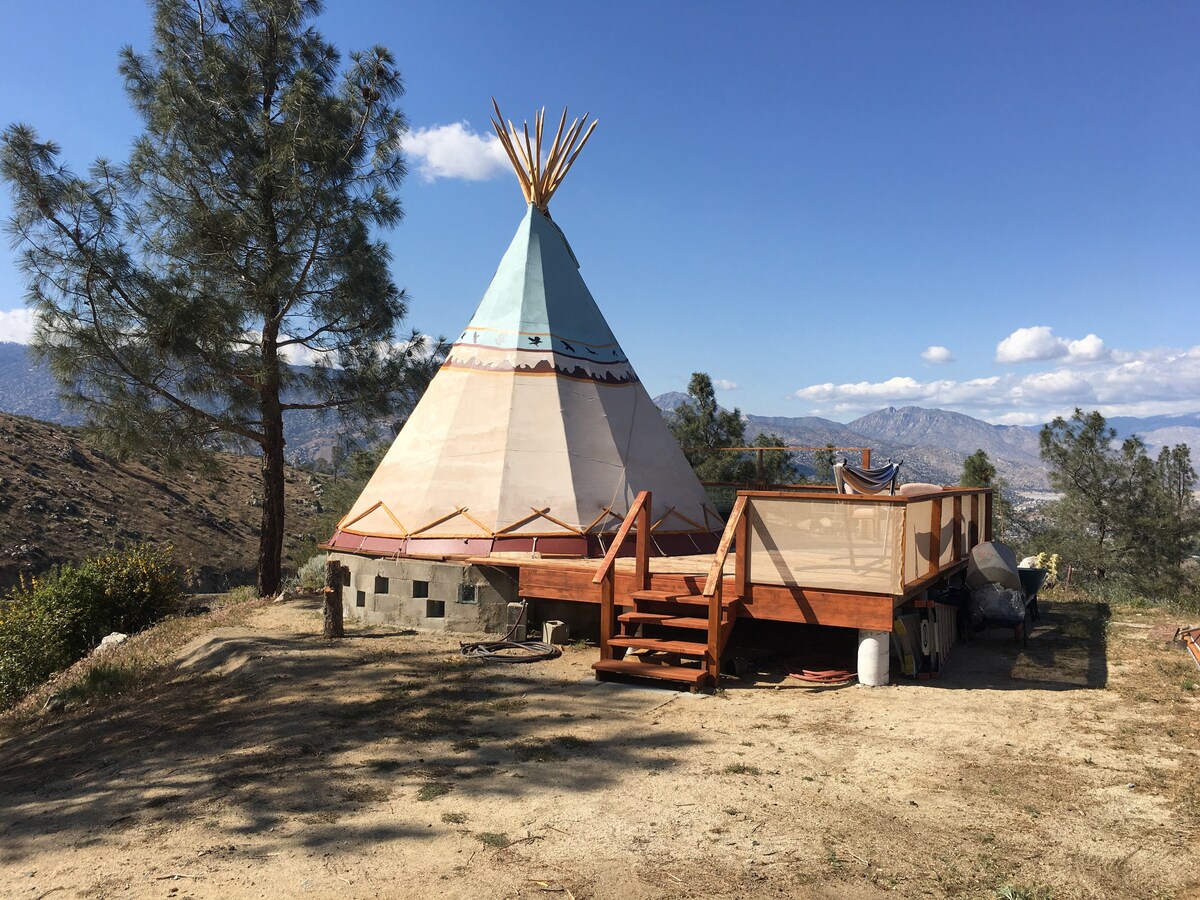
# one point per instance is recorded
(537, 314)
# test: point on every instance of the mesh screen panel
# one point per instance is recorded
(843, 545)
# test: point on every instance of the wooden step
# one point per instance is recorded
(657, 596)
(683, 648)
(668, 619)
(630, 669)
(670, 597)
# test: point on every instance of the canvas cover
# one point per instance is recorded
(535, 426)
(845, 545)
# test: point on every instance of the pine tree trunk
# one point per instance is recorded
(270, 540)
(270, 543)
(334, 626)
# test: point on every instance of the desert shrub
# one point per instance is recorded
(48, 623)
(243, 593)
(311, 575)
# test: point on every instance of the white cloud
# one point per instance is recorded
(455, 151)
(16, 326)
(937, 354)
(1088, 349)
(724, 384)
(1148, 382)
(1039, 344)
(1027, 344)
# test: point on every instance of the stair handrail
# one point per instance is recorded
(715, 574)
(606, 575)
(610, 558)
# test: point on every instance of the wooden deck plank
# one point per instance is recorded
(807, 606)
(667, 620)
(662, 645)
(631, 669)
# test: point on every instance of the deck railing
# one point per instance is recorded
(856, 542)
(606, 574)
(734, 535)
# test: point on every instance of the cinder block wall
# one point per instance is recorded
(424, 594)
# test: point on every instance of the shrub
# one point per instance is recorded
(241, 594)
(311, 575)
(48, 623)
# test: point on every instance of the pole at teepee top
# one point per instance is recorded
(539, 181)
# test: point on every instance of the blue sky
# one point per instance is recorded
(986, 207)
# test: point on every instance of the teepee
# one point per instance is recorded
(536, 435)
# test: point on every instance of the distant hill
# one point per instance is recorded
(62, 501)
(932, 442)
(670, 401)
(28, 389)
(963, 434)
(1162, 431)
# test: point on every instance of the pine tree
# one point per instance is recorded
(172, 290)
(979, 472)
(704, 430)
(824, 460)
(1121, 514)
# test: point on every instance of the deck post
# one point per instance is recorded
(987, 515)
(712, 656)
(866, 456)
(642, 560)
(608, 613)
(935, 536)
(741, 554)
(957, 535)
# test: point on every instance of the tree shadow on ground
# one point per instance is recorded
(267, 731)
(1066, 650)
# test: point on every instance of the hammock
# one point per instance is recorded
(852, 480)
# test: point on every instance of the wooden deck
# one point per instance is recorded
(571, 579)
(814, 558)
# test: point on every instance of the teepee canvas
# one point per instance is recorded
(535, 435)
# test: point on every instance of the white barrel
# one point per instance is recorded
(874, 650)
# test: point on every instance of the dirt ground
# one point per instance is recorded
(273, 763)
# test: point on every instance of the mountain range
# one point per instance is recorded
(932, 442)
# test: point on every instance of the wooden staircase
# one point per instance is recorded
(667, 637)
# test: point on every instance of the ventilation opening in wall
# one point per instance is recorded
(435, 609)
(420, 589)
(345, 576)
(468, 593)
(360, 598)
(381, 584)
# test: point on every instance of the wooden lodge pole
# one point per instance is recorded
(334, 627)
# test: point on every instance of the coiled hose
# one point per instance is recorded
(505, 650)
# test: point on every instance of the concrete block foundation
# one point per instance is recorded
(425, 594)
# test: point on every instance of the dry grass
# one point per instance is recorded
(143, 659)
